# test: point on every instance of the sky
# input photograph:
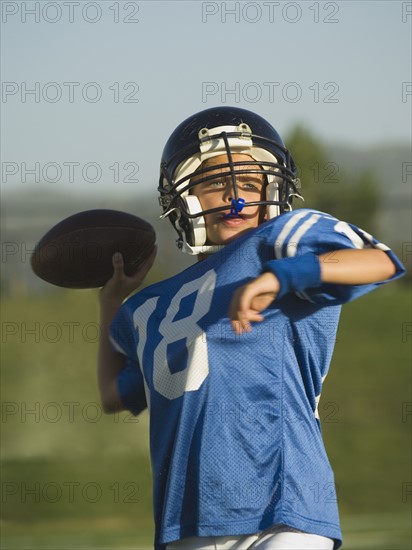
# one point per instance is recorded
(92, 90)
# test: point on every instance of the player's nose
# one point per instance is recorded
(227, 193)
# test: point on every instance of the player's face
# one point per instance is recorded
(220, 228)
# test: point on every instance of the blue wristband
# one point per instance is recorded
(295, 274)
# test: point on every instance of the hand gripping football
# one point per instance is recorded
(77, 252)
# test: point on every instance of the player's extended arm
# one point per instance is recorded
(109, 361)
(345, 267)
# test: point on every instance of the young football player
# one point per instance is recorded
(229, 356)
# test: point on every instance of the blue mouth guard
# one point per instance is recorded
(237, 206)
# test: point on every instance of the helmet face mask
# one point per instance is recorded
(222, 131)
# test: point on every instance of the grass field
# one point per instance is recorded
(73, 478)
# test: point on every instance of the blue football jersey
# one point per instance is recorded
(235, 439)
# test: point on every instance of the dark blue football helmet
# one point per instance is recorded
(222, 131)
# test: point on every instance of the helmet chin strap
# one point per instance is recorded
(199, 230)
(198, 224)
(195, 250)
(272, 194)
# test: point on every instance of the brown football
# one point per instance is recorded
(77, 252)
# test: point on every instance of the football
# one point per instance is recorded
(77, 252)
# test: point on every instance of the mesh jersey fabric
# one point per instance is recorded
(235, 438)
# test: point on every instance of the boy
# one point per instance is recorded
(230, 355)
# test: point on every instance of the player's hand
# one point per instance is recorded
(249, 300)
(121, 285)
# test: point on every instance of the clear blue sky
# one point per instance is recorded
(341, 68)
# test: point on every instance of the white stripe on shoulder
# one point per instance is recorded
(286, 231)
(116, 346)
(374, 242)
(344, 229)
(292, 245)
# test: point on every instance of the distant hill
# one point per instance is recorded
(390, 164)
(387, 162)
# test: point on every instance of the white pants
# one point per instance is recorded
(283, 538)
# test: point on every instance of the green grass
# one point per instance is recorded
(364, 404)
(365, 424)
(77, 503)
(377, 531)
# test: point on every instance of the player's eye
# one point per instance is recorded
(250, 186)
(216, 183)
